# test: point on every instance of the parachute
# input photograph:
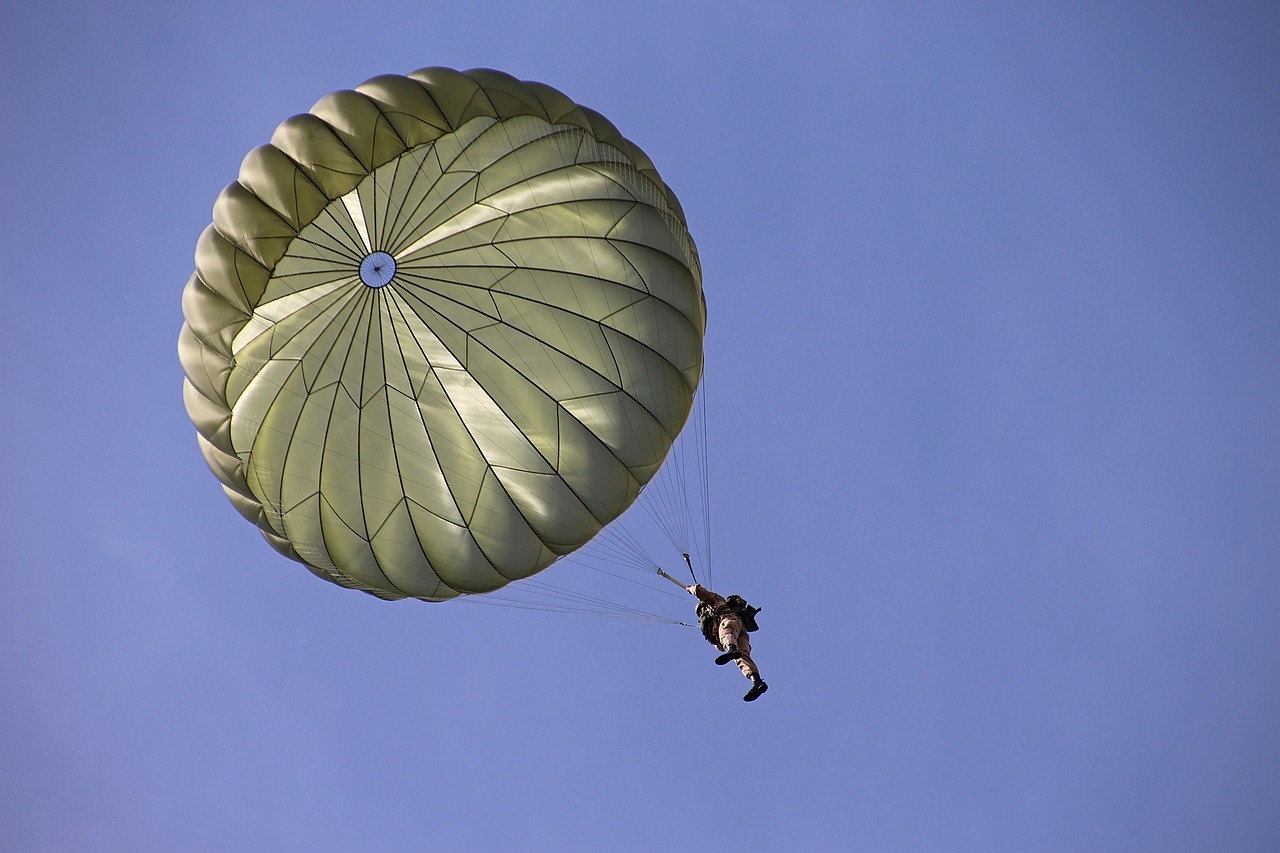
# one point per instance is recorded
(442, 330)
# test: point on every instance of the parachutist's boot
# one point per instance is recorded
(731, 653)
(757, 687)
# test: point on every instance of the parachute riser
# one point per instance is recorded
(673, 580)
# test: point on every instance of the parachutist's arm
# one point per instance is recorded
(704, 594)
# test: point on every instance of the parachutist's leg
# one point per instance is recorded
(745, 663)
(728, 630)
(748, 667)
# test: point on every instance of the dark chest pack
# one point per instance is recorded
(709, 617)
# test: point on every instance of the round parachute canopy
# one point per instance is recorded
(442, 330)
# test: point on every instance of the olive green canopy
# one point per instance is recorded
(441, 331)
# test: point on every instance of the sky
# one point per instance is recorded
(992, 387)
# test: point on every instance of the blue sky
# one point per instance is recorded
(992, 389)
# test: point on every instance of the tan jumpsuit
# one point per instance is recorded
(729, 631)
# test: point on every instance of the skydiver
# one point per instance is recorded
(727, 624)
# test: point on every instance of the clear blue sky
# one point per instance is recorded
(994, 386)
